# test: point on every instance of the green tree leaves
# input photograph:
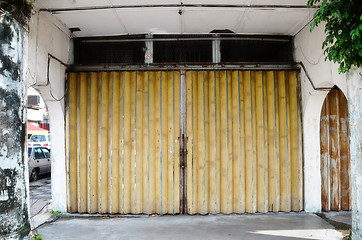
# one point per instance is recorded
(343, 43)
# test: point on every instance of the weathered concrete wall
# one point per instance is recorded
(354, 82)
(47, 38)
(14, 223)
(308, 50)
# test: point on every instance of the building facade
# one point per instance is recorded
(194, 108)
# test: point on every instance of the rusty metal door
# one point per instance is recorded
(123, 132)
(335, 157)
(244, 148)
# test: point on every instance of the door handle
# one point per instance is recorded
(37, 161)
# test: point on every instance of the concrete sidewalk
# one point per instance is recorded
(248, 226)
(40, 202)
(39, 198)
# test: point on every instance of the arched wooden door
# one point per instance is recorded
(335, 157)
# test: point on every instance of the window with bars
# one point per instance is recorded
(184, 49)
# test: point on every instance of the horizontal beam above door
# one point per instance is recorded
(161, 67)
(245, 6)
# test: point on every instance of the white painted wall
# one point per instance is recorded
(47, 38)
(308, 50)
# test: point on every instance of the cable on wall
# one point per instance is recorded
(310, 80)
(50, 56)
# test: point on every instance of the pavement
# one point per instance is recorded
(246, 226)
(344, 217)
(40, 201)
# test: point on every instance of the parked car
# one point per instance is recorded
(39, 162)
(41, 140)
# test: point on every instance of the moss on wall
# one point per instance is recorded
(14, 219)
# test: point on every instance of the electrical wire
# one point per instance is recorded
(48, 79)
(305, 57)
(59, 99)
(311, 82)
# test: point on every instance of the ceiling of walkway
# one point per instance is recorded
(120, 17)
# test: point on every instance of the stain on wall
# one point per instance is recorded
(14, 223)
(354, 81)
(8, 66)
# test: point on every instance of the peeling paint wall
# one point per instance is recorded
(354, 82)
(14, 222)
(308, 50)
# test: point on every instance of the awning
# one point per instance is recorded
(32, 129)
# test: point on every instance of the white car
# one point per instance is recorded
(39, 162)
(39, 140)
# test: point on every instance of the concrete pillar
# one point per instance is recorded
(14, 214)
(45, 37)
(354, 85)
(59, 187)
(53, 96)
(311, 149)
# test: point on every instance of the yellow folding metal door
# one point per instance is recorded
(243, 131)
(122, 142)
(244, 142)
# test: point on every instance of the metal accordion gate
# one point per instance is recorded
(195, 142)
